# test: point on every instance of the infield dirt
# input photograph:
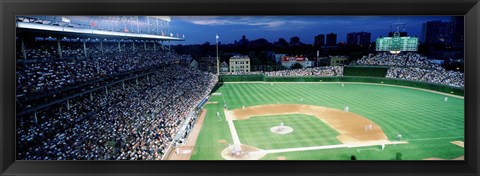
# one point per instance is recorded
(354, 129)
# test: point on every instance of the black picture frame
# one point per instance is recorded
(9, 9)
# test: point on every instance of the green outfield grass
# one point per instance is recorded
(423, 118)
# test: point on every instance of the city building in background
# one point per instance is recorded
(359, 38)
(278, 58)
(338, 60)
(239, 64)
(438, 32)
(458, 30)
(319, 40)
(208, 64)
(223, 67)
(331, 39)
(294, 41)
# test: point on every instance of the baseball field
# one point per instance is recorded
(329, 121)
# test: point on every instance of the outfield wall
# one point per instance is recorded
(370, 71)
(364, 79)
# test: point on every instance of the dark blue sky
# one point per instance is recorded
(200, 29)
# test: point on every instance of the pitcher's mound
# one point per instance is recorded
(281, 129)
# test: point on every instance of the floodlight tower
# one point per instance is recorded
(218, 63)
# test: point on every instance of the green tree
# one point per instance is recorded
(296, 66)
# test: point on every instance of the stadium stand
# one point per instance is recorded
(144, 112)
(413, 66)
(144, 117)
(409, 66)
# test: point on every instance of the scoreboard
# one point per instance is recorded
(397, 43)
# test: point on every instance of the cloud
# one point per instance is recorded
(264, 22)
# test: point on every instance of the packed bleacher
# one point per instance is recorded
(41, 77)
(242, 73)
(315, 71)
(402, 60)
(409, 66)
(413, 66)
(132, 123)
(436, 76)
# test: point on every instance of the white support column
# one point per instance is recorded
(154, 46)
(119, 47)
(123, 85)
(91, 96)
(24, 53)
(68, 104)
(85, 48)
(59, 49)
(145, 46)
(136, 80)
(35, 117)
(106, 90)
(101, 48)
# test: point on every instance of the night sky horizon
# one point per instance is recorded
(271, 28)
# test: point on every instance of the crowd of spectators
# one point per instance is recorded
(402, 60)
(242, 73)
(131, 121)
(413, 66)
(314, 71)
(73, 48)
(46, 50)
(437, 75)
(41, 77)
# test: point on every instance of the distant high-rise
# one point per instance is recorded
(458, 29)
(359, 38)
(437, 32)
(244, 40)
(295, 40)
(319, 40)
(331, 39)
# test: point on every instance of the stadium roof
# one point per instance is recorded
(164, 18)
(71, 30)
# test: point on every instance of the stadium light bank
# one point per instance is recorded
(92, 31)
